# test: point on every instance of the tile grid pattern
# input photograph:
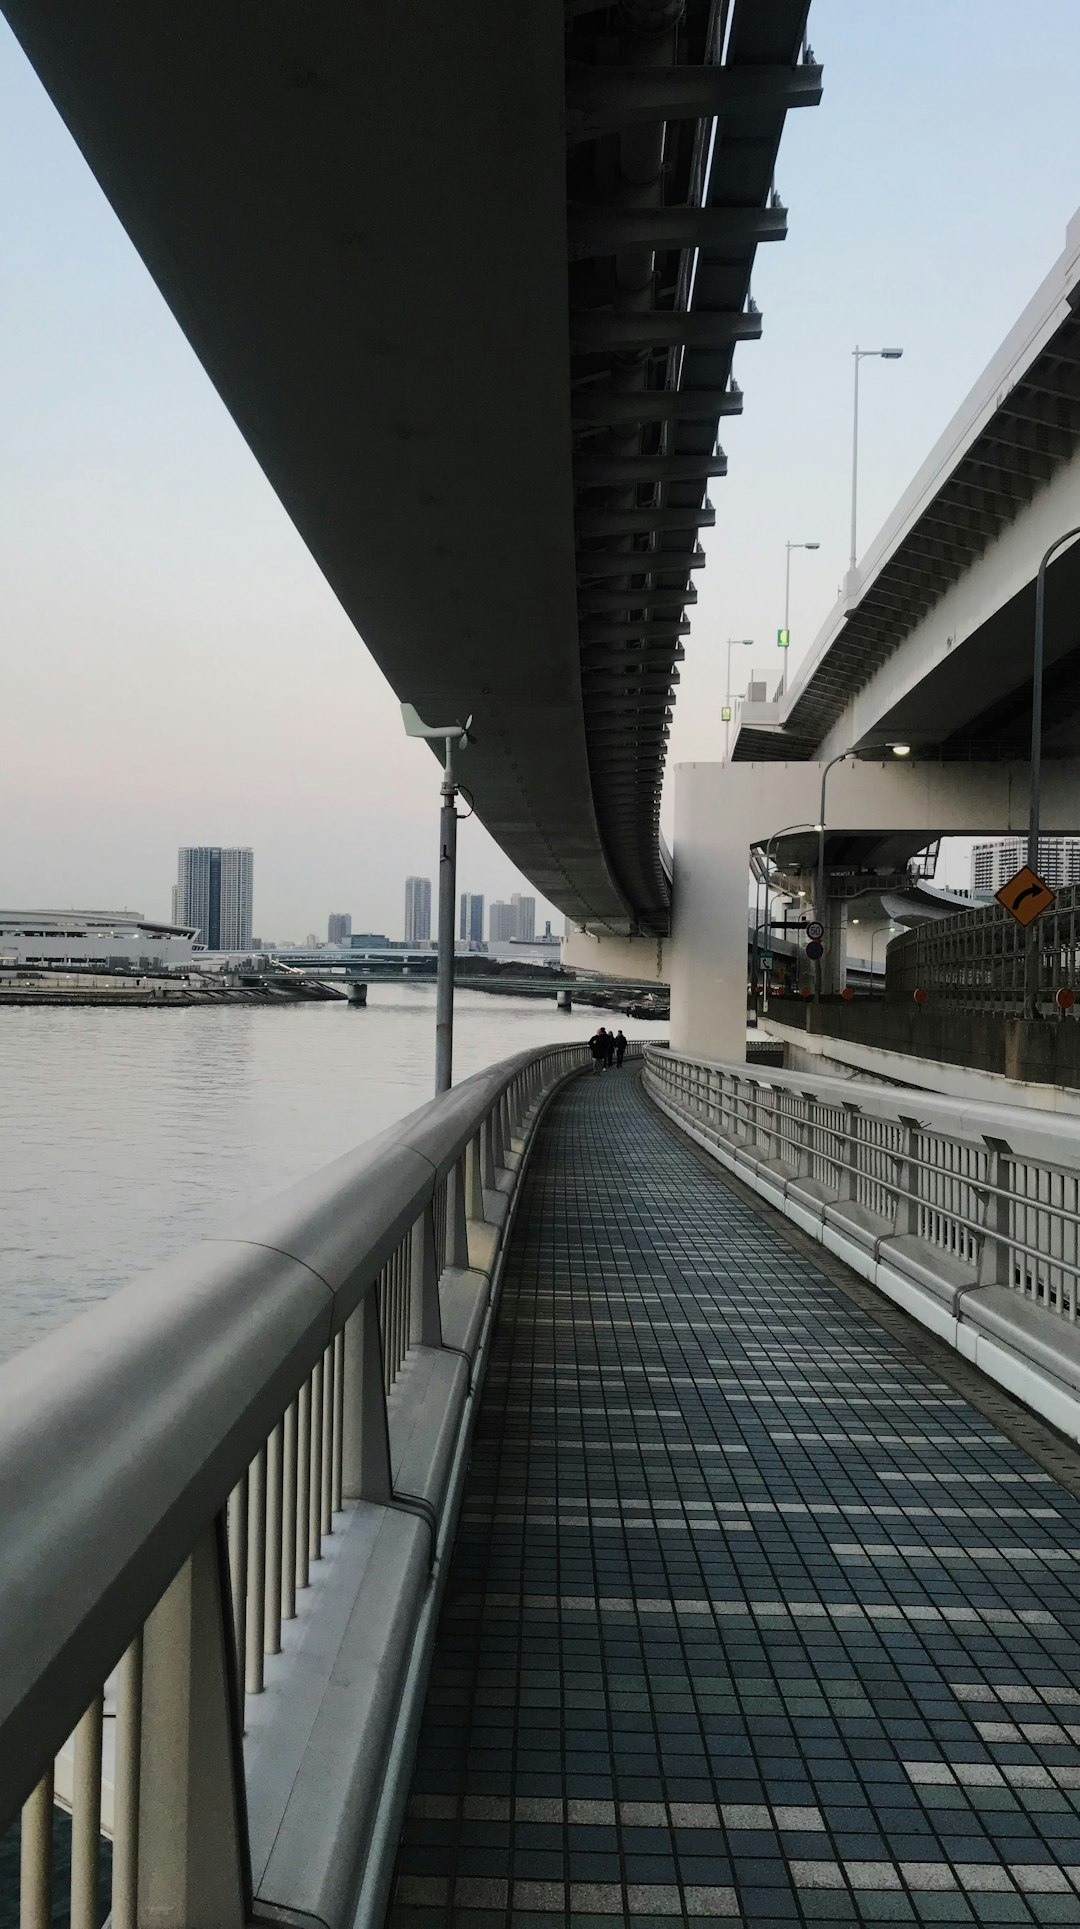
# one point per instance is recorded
(751, 1617)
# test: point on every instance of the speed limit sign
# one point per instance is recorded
(815, 930)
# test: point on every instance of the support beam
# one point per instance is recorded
(655, 405)
(699, 329)
(602, 100)
(613, 230)
(637, 562)
(617, 471)
(631, 522)
(600, 601)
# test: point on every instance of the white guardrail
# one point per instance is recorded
(967, 1215)
(227, 1495)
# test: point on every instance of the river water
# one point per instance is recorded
(126, 1135)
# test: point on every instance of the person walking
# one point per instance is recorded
(609, 1051)
(598, 1048)
(620, 1047)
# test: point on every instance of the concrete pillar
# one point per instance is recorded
(710, 920)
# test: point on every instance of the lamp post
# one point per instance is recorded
(862, 355)
(784, 831)
(785, 634)
(898, 750)
(874, 936)
(1031, 942)
(733, 643)
(450, 734)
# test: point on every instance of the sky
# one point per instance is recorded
(175, 669)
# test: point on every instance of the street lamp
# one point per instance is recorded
(1031, 953)
(733, 643)
(450, 734)
(784, 831)
(898, 750)
(874, 936)
(862, 355)
(784, 638)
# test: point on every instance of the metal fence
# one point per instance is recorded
(173, 1466)
(994, 1198)
(974, 961)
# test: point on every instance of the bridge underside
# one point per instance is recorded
(732, 1632)
(490, 410)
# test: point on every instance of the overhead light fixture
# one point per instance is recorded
(900, 749)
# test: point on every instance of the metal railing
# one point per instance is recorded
(974, 961)
(173, 1467)
(992, 1192)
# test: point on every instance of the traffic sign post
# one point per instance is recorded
(1026, 896)
(815, 930)
(815, 950)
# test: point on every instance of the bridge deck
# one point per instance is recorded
(752, 1615)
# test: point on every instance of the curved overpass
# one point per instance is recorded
(469, 280)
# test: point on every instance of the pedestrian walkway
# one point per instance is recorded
(752, 1616)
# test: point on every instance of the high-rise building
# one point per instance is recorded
(339, 927)
(501, 922)
(471, 930)
(417, 910)
(214, 890)
(524, 916)
(999, 859)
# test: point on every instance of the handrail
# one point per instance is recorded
(985, 1194)
(249, 1376)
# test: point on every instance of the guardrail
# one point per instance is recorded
(974, 960)
(966, 1214)
(226, 1493)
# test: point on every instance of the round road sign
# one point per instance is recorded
(814, 930)
(1065, 999)
(815, 950)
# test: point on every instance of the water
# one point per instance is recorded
(127, 1135)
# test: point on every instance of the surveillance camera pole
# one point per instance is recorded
(450, 734)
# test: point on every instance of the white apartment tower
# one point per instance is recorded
(214, 891)
(417, 910)
(999, 859)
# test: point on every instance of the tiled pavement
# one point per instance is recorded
(752, 1617)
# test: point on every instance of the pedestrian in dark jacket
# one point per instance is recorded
(598, 1048)
(609, 1051)
(620, 1047)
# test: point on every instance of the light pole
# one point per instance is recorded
(874, 936)
(862, 355)
(898, 750)
(733, 643)
(450, 734)
(785, 634)
(784, 831)
(1031, 953)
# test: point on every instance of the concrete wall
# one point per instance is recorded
(721, 809)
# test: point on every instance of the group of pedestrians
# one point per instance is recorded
(607, 1049)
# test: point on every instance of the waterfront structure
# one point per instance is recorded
(368, 941)
(417, 910)
(998, 859)
(117, 940)
(214, 892)
(339, 927)
(471, 926)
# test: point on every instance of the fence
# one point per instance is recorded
(944, 1194)
(215, 1484)
(974, 961)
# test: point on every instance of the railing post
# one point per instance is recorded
(474, 1184)
(193, 1859)
(365, 1443)
(490, 1152)
(425, 1318)
(848, 1187)
(907, 1179)
(995, 1259)
(457, 1232)
(805, 1126)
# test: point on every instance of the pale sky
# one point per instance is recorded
(176, 670)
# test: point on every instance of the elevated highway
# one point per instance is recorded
(469, 280)
(931, 640)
